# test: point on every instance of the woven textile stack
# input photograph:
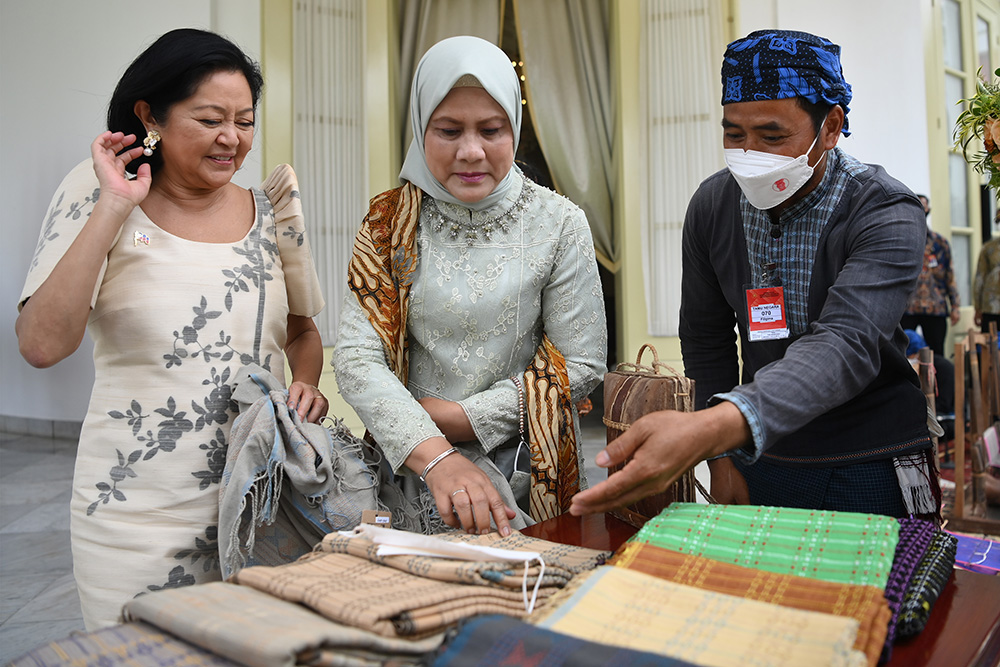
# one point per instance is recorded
(697, 585)
(727, 585)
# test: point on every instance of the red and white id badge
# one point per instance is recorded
(766, 313)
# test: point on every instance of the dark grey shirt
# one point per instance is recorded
(802, 396)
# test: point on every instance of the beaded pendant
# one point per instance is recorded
(472, 231)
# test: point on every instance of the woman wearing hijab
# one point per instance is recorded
(475, 318)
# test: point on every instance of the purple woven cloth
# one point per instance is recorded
(915, 536)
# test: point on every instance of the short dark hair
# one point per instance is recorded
(817, 111)
(169, 71)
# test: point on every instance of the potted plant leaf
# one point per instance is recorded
(981, 120)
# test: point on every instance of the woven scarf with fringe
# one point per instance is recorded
(380, 275)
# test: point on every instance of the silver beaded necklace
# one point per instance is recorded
(474, 232)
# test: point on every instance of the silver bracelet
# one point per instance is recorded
(436, 460)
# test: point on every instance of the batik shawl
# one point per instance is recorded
(842, 547)
(613, 605)
(866, 604)
(380, 275)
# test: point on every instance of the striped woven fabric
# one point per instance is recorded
(866, 604)
(841, 547)
(258, 630)
(380, 599)
(915, 537)
(622, 607)
(928, 581)
(422, 596)
(129, 643)
(562, 561)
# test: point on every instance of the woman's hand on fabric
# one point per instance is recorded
(464, 495)
(450, 418)
(117, 190)
(308, 401)
(728, 486)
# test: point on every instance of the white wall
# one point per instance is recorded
(59, 63)
(882, 53)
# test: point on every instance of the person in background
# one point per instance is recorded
(809, 255)
(935, 299)
(181, 277)
(474, 320)
(986, 285)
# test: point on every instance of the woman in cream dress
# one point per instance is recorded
(181, 277)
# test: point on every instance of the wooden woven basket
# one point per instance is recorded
(631, 391)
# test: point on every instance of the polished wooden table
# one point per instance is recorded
(963, 629)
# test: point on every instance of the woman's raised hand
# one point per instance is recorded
(117, 190)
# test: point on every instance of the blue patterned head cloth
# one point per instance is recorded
(777, 64)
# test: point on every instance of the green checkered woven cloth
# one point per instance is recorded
(843, 547)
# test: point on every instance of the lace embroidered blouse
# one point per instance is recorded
(486, 286)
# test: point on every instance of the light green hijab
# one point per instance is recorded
(437, 73)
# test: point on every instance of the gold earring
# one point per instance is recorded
(150, 142)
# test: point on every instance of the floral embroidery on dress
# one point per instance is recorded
(298, 234)
(205, 549)
(170, 431)
(217, 407)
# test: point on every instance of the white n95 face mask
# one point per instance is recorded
(766, 179)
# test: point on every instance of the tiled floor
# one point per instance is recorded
(38, 600)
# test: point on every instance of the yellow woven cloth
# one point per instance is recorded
(866, 604)
(622, 607)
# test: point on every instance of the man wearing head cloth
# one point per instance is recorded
(810, 256)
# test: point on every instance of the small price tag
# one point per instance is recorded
(377, 518)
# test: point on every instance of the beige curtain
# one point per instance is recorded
(423, 23)
(564, 46)
(330, 149)
(681, 50)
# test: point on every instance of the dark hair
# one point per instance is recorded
(817, 111)
(168, 72)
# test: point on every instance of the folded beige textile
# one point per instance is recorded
(253, 628)
(383, 599)
(627, 608)
(411, 596)
(562, 561)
